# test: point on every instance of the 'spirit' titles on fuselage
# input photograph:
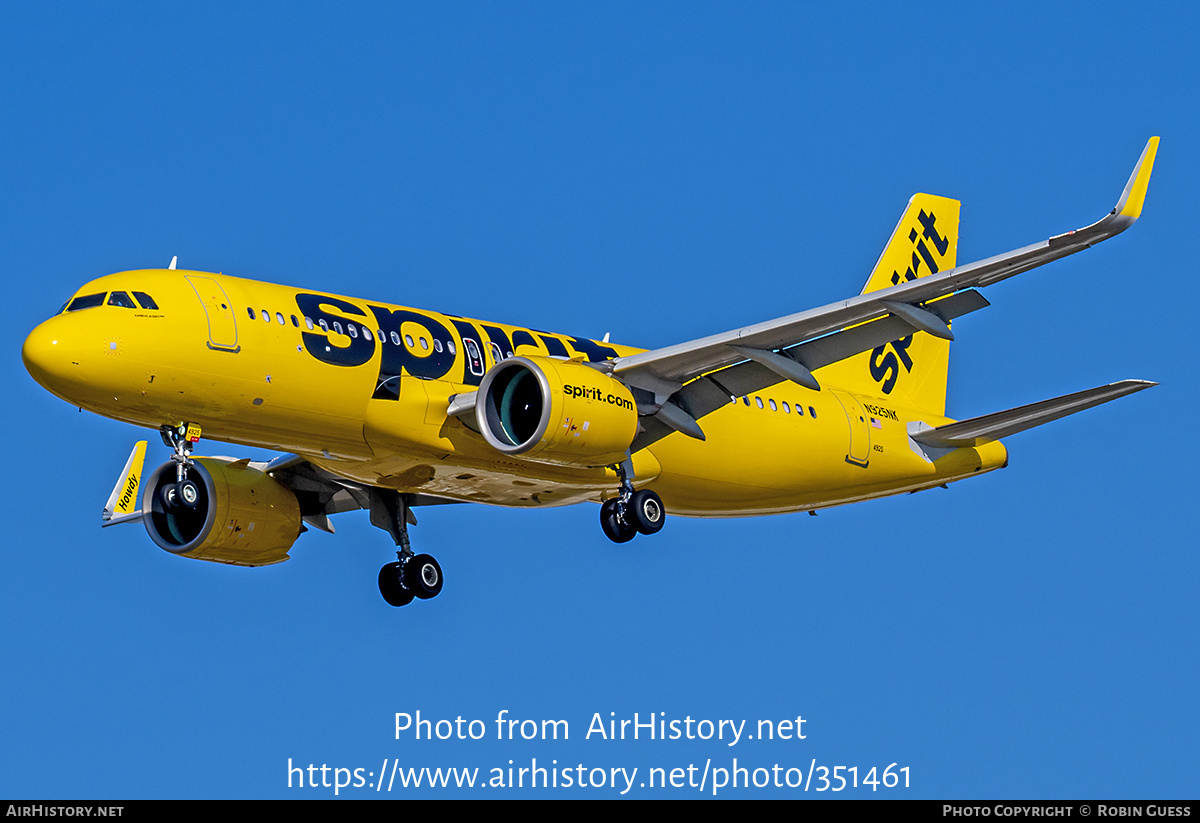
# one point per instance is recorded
(398, 356)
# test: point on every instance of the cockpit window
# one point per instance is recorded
(120, 298)
(88, 301)
(146, 300)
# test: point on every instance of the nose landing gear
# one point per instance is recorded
(181, 439)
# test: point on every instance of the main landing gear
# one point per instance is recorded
(417, 576)
(631, 512)
(184, 493)
(412, 575)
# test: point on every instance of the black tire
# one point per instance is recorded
(606, 508)
(614, 529)
(187, 493)
(391, 588)
(423, 576)
(646, 511)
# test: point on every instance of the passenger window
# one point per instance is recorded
(337, 327)
(350, 327)
(279, 317)
(812, 412)
(424, 344)
(746, 400)
(366, 333)
(408, 340)
(786, 408)
(758, 400)
(323, 324)
(250, 312)
(295, 322)
(451, 347)
(89, 301)
(146, 300)
(437, 345)
(395, 338)
(773, 406)
(120, 298)
(266, 315)
(308, 322)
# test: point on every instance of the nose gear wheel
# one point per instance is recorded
(181, 439)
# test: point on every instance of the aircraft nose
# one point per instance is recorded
(47, 356)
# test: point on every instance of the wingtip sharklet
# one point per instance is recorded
(123, 501)
(1134, 195)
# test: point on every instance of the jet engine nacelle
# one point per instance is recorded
(556, 411)
(242, 516)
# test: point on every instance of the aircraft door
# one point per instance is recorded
(218, 308)
(859, 451)
(474, 357)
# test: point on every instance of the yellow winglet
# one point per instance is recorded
(1130, 204)
(123, 502)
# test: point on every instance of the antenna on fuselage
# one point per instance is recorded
(174, 260)
(606, 334)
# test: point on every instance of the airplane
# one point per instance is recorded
(385, 408)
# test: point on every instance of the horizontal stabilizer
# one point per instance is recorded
(989, 427)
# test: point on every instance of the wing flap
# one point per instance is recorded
(705, 395)
(322, 493)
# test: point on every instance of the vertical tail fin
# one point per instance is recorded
(913, 369)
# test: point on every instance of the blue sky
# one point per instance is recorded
(660, 172)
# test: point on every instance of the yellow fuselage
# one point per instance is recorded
(305, 372)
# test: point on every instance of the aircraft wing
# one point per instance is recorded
(777, 350)
(322, 493)
(319, 492)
